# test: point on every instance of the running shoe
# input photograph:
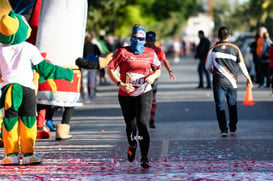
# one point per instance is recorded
(144, 162)
(131, 153)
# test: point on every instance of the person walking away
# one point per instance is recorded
(150, 42)
(224, 61)
(201, 54)
(135, 90)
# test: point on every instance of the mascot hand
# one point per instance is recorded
(69, 74)
(103, 61)
(63, 73)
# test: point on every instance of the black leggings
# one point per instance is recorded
(136, 112)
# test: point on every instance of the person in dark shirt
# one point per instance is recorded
(201, 54)
(89, 76)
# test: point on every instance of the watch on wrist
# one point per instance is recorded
(118, 83)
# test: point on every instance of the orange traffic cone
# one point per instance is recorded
(248, 97)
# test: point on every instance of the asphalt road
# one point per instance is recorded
(184, 146)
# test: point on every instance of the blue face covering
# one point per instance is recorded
(137, 46)
(137, 40)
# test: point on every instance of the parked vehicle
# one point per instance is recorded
(245, 42)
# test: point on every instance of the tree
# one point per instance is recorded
(253, 14)
(262, 12)
(222, 12)
(102, 14)
(117, 17)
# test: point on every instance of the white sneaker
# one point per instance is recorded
(10, 160)
(223, 134)
(32, 160)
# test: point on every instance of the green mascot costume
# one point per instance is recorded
(18, 61)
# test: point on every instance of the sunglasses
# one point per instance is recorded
(138, 38)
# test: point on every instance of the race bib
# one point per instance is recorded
(135, 79)
(138, 81)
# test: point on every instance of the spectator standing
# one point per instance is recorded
(224, 60)
(135, 90)
(62, 130)
(89, 75)
(150, 42)
(270, 55)
(176, 49)
(110, 43)
(201, 54)
(258, 54)
(104, 50)
(265, 80)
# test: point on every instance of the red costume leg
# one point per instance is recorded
(42, 131)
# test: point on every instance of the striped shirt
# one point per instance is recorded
(223, 60)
